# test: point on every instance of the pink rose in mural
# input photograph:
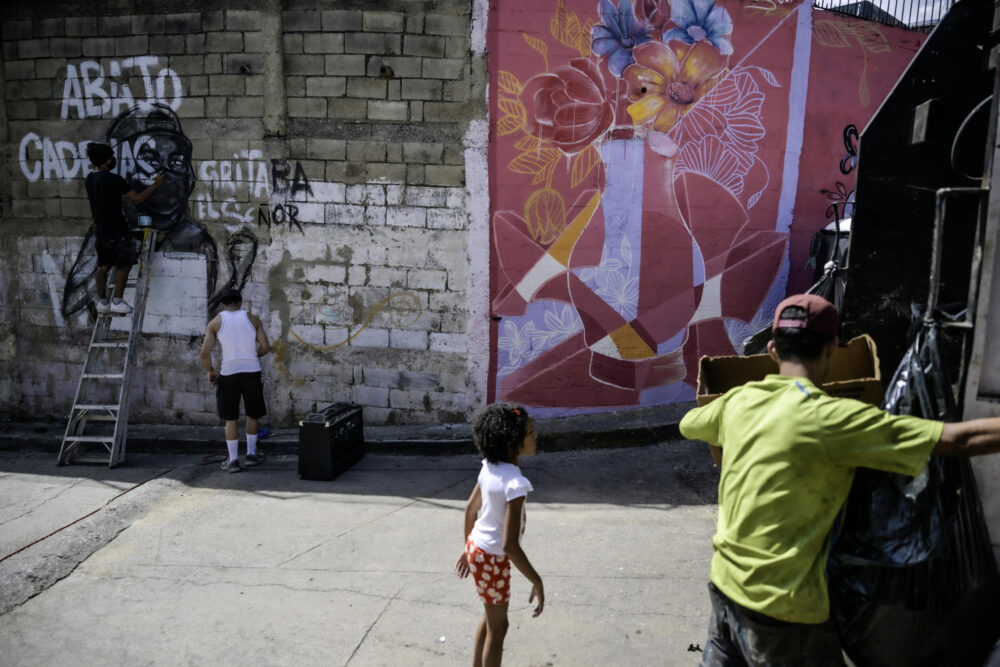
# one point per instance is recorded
(654, 13)
(662, 87)
(569, 106)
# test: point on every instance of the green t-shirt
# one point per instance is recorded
(789, 451)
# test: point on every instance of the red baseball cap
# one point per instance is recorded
(821, 315)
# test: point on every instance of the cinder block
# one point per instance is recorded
(416, 111)
(443, 68)
(420, 89)
(300, 20)
(342, 20)
(376, 172)
(33, 48)
(357, 275)
(426, 279)
(406, 216)
(385, 110)
(409, 399)
(325, 86)
(371, 396)
(114, 26)
(383, 22)
(246, 107)
(167, 44)
(371, 337)
(423, 45)
(457, 47)
(182, 23)
(324, 42)
(226, 84)
(148, 24)
(345, 214)
(19, 69)
(362, 42)
(326, 149)
(446, 24)
(448, 342)
(365, 87)
(442, 218)
(306, 107)
(387, 276)
(444, 175)
(237, 19)
(399, 67)
(426, 153)
(304, 65)
(415, 22)
(408, 340)
(426, 197)
(225, 42)
(345, 65)
(365, 151)
(213, 21)
(293, 42)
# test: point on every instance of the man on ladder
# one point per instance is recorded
(243, 342)
(115, 247)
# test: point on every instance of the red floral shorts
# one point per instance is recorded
(491, 574)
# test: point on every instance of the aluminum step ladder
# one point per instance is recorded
(97, 427)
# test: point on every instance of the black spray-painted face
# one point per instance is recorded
(147, 155)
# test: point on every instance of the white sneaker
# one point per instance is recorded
(120, 308)
(103, 307)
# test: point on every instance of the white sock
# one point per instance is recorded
(251, 444)
(234, 451)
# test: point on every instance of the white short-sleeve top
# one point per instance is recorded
(499, 483)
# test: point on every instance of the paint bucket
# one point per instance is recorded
(145, 221)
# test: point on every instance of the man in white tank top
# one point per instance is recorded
(243, 342)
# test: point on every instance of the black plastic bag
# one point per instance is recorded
(912, 577)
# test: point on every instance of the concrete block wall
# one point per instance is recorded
(327, 145)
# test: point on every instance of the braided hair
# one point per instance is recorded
(498, 430)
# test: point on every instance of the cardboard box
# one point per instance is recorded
(855, 373)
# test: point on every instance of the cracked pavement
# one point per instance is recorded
(166, 561)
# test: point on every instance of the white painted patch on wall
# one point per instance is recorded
(477, 290)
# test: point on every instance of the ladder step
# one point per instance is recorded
(85, 406)
(90, 438)
(118, 344)
(103, 376)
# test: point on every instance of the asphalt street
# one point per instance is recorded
(170, 561)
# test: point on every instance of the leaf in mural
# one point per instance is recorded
(528, 143)
(870, 37)
(538, 45)
(565, 27)
(545, 215)
(626, 251)
(832, 33)
(512, 116)
(509, 84)
(539, 163)
(583, 163)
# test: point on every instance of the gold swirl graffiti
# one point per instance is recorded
(403, 309)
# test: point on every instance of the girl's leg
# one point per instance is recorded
(477, 654)
(496, 630)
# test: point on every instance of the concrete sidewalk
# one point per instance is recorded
(166, 561)
(611, 429)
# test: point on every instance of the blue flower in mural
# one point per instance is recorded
(699, 20)
(620, 32)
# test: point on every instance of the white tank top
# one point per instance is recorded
(239, 343)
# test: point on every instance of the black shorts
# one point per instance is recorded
(229, 389)
(116, 251)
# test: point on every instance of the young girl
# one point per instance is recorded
(503, 433)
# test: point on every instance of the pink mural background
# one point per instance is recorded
(636, 158)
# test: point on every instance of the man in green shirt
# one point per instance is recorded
(789, 452)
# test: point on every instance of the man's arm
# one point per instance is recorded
(970, 438)
(206, 349)
(139, 197)
(263, 346)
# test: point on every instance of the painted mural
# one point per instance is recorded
(854, 66)
(636, 173)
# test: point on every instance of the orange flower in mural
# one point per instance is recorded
(663, 86)
(569, 106)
